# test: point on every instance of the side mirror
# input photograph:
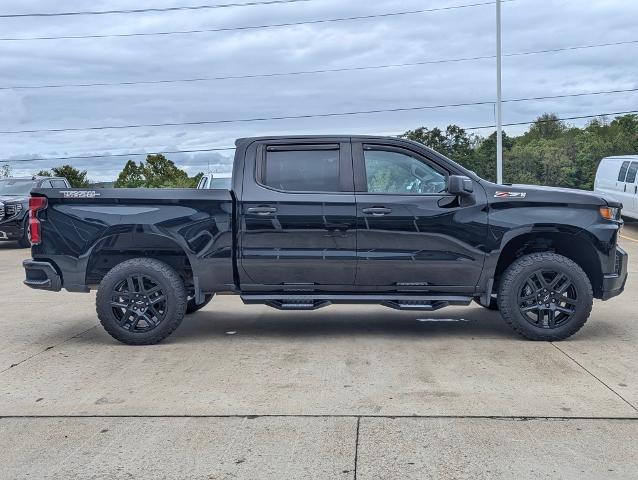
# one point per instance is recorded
(459, 185)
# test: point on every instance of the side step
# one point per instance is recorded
(283, 301)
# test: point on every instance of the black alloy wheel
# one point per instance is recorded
(141, 301)
(548, 299)
(138, 303)
(545, 296)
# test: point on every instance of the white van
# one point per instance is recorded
(215, 180)
(616, 177)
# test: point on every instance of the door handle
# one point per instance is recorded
(261, 210)
(377, 211)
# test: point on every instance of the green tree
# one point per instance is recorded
(5, 170)
(156, 172)
(77, 178)
(131, 176)
(549, 153)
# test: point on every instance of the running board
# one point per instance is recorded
(315, 301)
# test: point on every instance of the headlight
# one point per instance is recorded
(12, 209)
(610, 213)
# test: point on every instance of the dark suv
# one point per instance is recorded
(14, 205)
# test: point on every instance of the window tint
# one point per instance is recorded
(623, 171)
(392, 172)
(46, 184)
(58, 183)
(631, 173)
(302, 170)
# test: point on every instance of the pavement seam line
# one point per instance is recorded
(13, 365)
(519, 418)
(356, 448)
(594, 376)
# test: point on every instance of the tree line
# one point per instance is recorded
(550, 152)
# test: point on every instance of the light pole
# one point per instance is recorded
(499, 117)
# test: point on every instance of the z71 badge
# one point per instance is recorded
(510, 194)
(79, 193)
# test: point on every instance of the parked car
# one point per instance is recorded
(311, 221)
(616, 177)
(216, 180)
(14, 203)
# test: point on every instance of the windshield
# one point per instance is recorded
(223, 183)
(16, 187)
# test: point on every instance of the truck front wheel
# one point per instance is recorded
(545, 296)
(141, 301)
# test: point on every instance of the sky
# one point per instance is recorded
(527, 25)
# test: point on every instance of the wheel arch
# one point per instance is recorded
(576, 248)
(115, 248)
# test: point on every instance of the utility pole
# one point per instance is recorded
(499, 113)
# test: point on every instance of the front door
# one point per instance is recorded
(298, 217)
(411, 234)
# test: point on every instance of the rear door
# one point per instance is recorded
(297, 217)
(411, 234)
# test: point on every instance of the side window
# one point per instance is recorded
(631, 173)
(393, 172)
(46, 184)
(301, 170)
(59, 184)
(623, 171)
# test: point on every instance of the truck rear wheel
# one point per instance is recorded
(141, 301)
(545, 296)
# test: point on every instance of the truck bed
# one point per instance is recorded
(88, 231)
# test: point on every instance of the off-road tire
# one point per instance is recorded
(192, 307)
(172, 287)
(513, 281)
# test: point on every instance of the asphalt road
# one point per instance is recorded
(340, 393)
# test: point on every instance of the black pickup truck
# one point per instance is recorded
(14, 202)
(311, 221)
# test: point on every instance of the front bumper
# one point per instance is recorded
(12, 229)
(614, 283)
(41, 275)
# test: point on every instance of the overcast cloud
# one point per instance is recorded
(468, 32)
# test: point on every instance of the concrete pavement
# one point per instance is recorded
(313, 394)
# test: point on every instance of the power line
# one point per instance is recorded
(319, 71)
(253, 27)
(256, 75)
(247, 120)
(313, 115)
(130, 154)
(579, 117)
(149, 10)
(217, 149)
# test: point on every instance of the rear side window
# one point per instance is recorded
(623, 171)
(631, 173)
(315, 170)
(58, 183)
